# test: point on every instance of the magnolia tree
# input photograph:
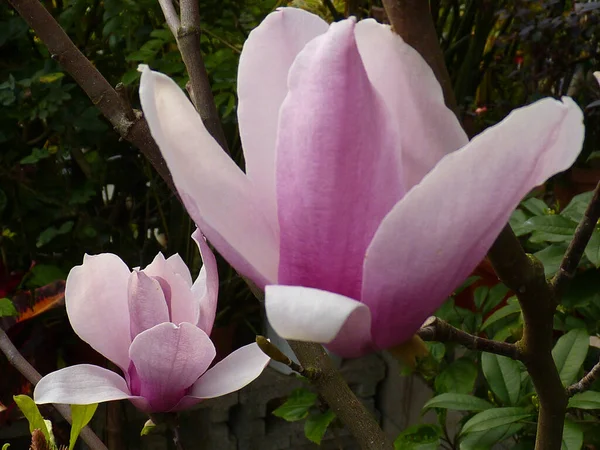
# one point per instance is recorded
(362, 207)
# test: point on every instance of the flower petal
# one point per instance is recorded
(337, 165)
(97, 306)
(216, 193)
(206, 286)
(428, 129)
(182, 305)
(82, 385)
(306, 314)
(176, 264)
(265, 62)
(234, 372)
(147, 303)
(168, 359)
(436, 235)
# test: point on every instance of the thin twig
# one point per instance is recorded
(334, 12)
(576, 248)
(273, 352)
(187, 35)
(170, 14)
(128, 123)
(441, 331)
(586, 382)
(33, 376)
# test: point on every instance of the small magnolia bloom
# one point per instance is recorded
(155, 325)
(363, 204)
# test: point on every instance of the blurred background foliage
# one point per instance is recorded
(69, 185)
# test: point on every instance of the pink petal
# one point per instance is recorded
(407, 85)
(337, 165)
(147, 304)
(436, 235)
(234, 372)
(82, 385)
(183, 307)
(265, 62)
(312, 315)
(97, 306)
(216, 193)
(206, 286)
(176, 264)
(168, 359)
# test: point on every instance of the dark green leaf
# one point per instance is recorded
(569, 353)
(458, 402)
(316, 426)
(43, 274)
(592, 250)
(585, 400)
(484, 440)
(492, 418)
(480, 295)
(510, 308)
(81, 416)
(504, 377)
(551, 257)
(577, 206)
(535, 206)
(552, 225)
(572, 436)
(3, 201)
(496, 295)
(297, 405)
(459, 377)
(419, 437)
(36, 155)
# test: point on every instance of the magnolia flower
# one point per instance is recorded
(363, 205)
(155, 325)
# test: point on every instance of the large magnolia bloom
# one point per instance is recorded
(155, 325)
(363, 204)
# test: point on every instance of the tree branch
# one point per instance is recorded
(586, 382)
(332, 387)
(334, 12)
(33, 376)
(128, 123)
(187, 33)
(583, 233)
(441, 331)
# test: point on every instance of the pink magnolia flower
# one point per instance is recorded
(155, 325)
(363, 205)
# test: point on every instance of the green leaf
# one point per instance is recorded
(504, 376)
(496, 295)
(556, 227)
(585, 400)
(7, 308)
(569, 353)
(297, 405)
(457, 402)
(483, 440)
(551, 257)
(576, 208)
(509, 309)
(459, 377)
(480, 295)
(572, 436)
(43, 274)
(316, 426)
(51, 232)
(5, 446)
(32, 414)
(3, 201)
(81, 416)
(419, 437)
(492, 418)
(535, 206)
(36, 155)
(592, 250)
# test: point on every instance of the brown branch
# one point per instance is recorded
(441, 331)
(334, 12)
(33, 376)
(188, 41)
(582, 236)
(586, 382)
(129, 124)
(170, 14)
(332, 387)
